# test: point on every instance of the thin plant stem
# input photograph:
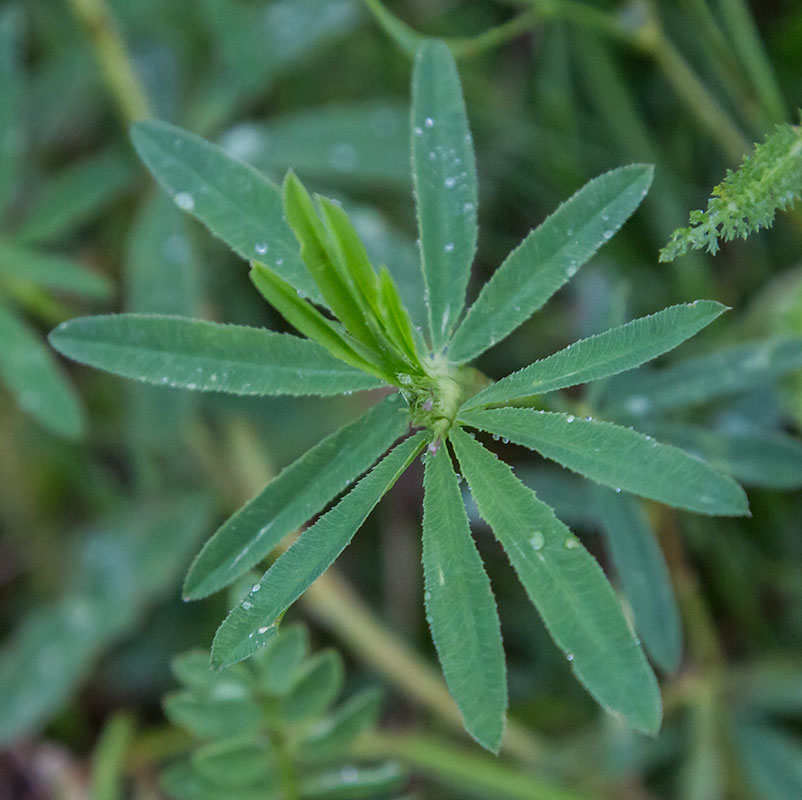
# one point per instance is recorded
(448, 765)
(115, 62)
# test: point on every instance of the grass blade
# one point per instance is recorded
(444, 176)
(617, 457)
(291, 498)
(548, 257)
(248, 626)
(207, 356)
(618, 349)
(460, 607)
(566, 585)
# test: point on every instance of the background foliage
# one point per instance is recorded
(109, 487)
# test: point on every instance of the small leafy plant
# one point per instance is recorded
(360, 336)
(748, 198)
(267, 731)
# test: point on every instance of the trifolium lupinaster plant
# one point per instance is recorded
(308, 262)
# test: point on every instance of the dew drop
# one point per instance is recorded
(570, 418)
(256, 587)
(429, 122)
(608, 234)
(570, 656)
(571, 542)
(450, 182)
(537, 541)
(185, 201)
(417, 130)
(261, 248)
(449, 248)
(247, 605)
(264, 629)
(618, 489)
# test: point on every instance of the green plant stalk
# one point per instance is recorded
(286, 769)
(471, 771)
(115, 62)
(109, 758)
(749, 47)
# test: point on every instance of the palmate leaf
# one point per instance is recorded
(699, 380)
(548, 257)
(295, 495)
(617, 457)
(196, 354)
(232, 199)
(567, 587)
(444, 176)
(29, 371)
(460, 607)
(248, 626)
(605, 354)
(644, 575)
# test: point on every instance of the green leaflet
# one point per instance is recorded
(446, 193)
(309, 321)
(26, 264)
(250, 624)
(608, 353)
(330, 737)
(237, 763)
(617, 457)
(182, 781)
(196, 354)
(316, 687)
(212, 717)
(295, 495)
(754, 456)
(460, 607)
(698, 380)
(359, 144)
(770, 759)
(644, 575)
(232, 199)
(28, 369)
(567, 587)
(548, 257)
(11, 88)
(79, 193)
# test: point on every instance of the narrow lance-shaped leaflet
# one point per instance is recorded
(253, 622)
(566, 585)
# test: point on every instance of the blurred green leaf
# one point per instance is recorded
(644, 575)
(212, 718)
(330, 737)
(11, 88)
(237, 762)
(699, 380)
(296, 494)
(461, 608)
(316, 687)
(567, 587)
(118, 570)
(617, 457)
(182, 781)
(605, 354)
(366, 143)
(207, 356)
(233, 200)
(51, 271)
(278, 664)
(446, 191)
(30, 372)
(549, 256)
(76, 195)
(770, 759)
(351, 782)
(244, 630)
(108, 759)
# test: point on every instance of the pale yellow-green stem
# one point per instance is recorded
(115, 62)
